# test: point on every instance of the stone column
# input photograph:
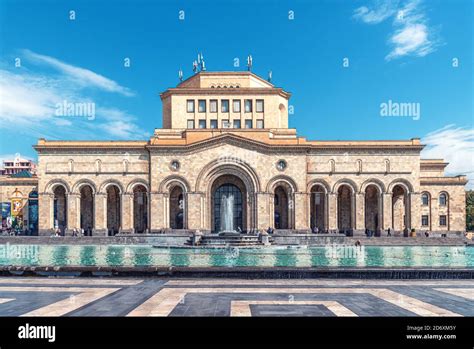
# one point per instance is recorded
(127, 212)
(360, 212)
(73, 211)
(434, 213)
(380, 212)
(387, 211)
(195, 215)
(299, 204)
(332, 212)
(264, 211)
(414, 219)
(326, 211)
(45, 213)
(100, 214)
(156, 212)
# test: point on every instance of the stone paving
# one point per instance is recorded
(233, 297)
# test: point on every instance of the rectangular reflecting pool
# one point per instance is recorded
(274, 256)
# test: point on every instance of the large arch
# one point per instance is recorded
(375, 182)
(59, 206)
(105, 185)
(140, 208)
(114, 209)
(318, 206)
(205, 184)
(87, 218)
(347, 182)
(282, 203)
(345, 207)
(321, 182)
(400, 208)
(231, 166)
(373, 207)
(175, 189)
(52, 184)
(170, 181)
(228, 204)
(176, 207)
(76, 188)
(402, 182)
(136, 182)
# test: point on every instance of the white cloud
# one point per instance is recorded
(28, 103)
(380, 11)
(410, 39)
(411, 36)
(119, 124)
(26, 98)
(81, 76)
(456, 146)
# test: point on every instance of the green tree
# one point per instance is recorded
(470, 210)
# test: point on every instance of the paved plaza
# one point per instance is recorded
(233, 297)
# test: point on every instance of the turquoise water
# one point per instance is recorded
(330, 256)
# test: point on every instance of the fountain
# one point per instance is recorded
(227, 213)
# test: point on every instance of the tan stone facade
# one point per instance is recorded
(176, 180)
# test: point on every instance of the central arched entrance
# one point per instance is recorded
(228, 210)
(228, 205)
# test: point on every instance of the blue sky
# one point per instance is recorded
(401, 51)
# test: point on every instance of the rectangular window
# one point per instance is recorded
(259, 105)
(248, 105)
(248, 124)
(260, 123)
(202, 106)
(236, 123)
(190, 123)
(202, 123)
(213, 105)
(190, 106)
(442, 220)
(424, 220)
(213, 123)
(225, 124)
(236, 105)
(225, 106)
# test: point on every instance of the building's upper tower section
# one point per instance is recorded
(225, 100)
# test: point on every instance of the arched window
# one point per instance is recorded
(442, 199)
(424, 199)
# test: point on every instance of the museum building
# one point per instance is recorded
(226, 160)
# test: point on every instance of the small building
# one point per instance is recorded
(19, 190)
(17, 165)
